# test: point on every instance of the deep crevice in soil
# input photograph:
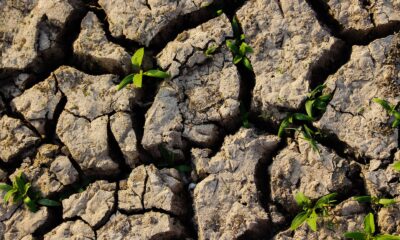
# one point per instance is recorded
(351, 36)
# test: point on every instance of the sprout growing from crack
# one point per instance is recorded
(21, 191)
(137, 77)
(385, 202)
(391, 109)
(368, 233)
(311, 213)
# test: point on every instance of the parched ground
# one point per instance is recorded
(114, 159)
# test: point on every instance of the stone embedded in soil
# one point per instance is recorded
(226, 202)
(347, 216)
(32, 32)
(23, 223)
(71, 230)
(202, 96)
(141, 21)
(150, 225)
(389, 219)
(288, 44)
(88, 143)
(93, 50)
(38, 103)
(361, 15)
(83, 92)
(380, 180)
(295, 168)
(363, 125)
(48, 172)
(16, 139)
(122, 129)
(94, 205)
(156, 189)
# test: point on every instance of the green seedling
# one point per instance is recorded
(21, 192)
(211, 50)
(368, 232)
(396, 166)
(385, 202)
(311, 213)
(317, 101)
(391, 109)
(289, 120)
(239, 47)
(137, 77)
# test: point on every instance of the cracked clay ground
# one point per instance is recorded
(114, 158)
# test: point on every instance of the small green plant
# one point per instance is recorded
(311, 213)
(239, 47)
(211, 50)
(368, 232)
(137, 77)
(391, 109)
(396, 166)
(385, 202)
(317, 101)
(21, 191)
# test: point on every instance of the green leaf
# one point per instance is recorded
(245, 48)
(30, 204)
(137, 58)
(320, 105)
(247, 64)
(386, 237)
(138, 79)
(5, 187)
(232, 47)
(369, 224)
(302, 117)
(396, 114)
(156, 74)
(128, 79)
(386, 105)
(284, 124)
(356, 235)
(48, 202)
(299, 219)
(302, 200)
(316, 90)
(395, 123)
(325, 98)
(9, 194)
(312, 221)
(309, 107)
(219, 12)
(386, 201)
(20, 183)
(211, 50)
(396, 166)
(237, 59)
(26, 188)
(363, 199)
(326, 200)
(235, 26)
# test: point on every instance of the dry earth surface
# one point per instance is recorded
(114, 159)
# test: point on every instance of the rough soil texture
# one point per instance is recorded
(176, 159)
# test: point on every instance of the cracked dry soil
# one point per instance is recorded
(101, 152)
